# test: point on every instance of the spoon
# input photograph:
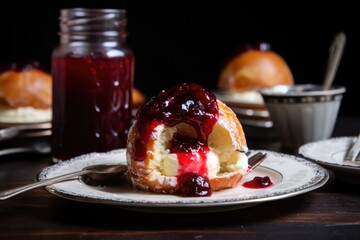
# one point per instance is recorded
(97, 173)
(336, 50)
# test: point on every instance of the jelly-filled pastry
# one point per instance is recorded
(187, 142)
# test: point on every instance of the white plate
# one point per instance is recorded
(331, 153)
(290, 176)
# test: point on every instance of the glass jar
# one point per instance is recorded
(92, 70)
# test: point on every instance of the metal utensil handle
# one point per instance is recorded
(354, 151)
(336, 50)
(15, 191)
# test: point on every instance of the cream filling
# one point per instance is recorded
(171, 166)
(25, 115)
(217, 162)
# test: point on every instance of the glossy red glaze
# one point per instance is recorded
(258, 182)
(191, 154)
(194, 185)
(185, 103)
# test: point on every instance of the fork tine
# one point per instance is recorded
(256, 159)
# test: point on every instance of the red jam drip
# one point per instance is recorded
(258, 182)
(186, 144)
(194, 185)
(185, 103)
(142, 136)
(191, 154)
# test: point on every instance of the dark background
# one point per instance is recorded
(189, 41)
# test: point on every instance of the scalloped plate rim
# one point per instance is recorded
(207, 204)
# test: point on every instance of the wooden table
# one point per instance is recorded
(330, 212)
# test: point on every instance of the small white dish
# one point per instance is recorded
(290, 176)
(330, 154)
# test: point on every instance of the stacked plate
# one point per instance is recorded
(29, 129)
(251, 111)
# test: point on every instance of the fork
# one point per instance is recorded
(354, 151)
(256, 159)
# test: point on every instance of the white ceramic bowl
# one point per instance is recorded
(302, 113)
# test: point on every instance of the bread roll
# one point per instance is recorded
(137, 98)
(253, 68)
(183, 136)
(25, 95)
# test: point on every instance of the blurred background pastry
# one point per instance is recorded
(138, 98)
(254, 67)
(25, 94)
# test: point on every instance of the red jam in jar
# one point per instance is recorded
(92, 71)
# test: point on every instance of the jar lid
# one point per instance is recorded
(84, 21)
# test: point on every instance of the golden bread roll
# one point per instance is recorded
(254, 68)
(185, 135)
(137, 98)
(25, 95)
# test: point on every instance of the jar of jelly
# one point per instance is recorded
(92, 70)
